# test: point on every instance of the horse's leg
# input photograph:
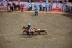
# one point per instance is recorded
(19, 7)
(32, 33)
(23, 32)
(12, 9)
(27, 33)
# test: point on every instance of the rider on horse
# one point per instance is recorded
(29, 27)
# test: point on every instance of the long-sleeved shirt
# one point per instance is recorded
(36, 9)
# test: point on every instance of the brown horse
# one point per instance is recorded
(16, 6)
(26, 30)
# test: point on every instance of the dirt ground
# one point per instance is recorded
(59, 30)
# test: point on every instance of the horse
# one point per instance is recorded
(13, 6)
(16, 6)
(10, 6)
(27, 31)
(39, 31)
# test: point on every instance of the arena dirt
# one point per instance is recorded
(58, 26)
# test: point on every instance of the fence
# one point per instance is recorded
(53, 7)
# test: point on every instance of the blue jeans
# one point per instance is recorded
(36, 13)
(29, 27)
(46, 9)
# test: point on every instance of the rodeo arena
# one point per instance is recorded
(35, 24)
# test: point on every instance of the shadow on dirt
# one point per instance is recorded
(69, 15)
(29, 36)
(24, 36)
(2, 42)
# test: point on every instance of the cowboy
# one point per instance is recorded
(36, 11)
(29, 27)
